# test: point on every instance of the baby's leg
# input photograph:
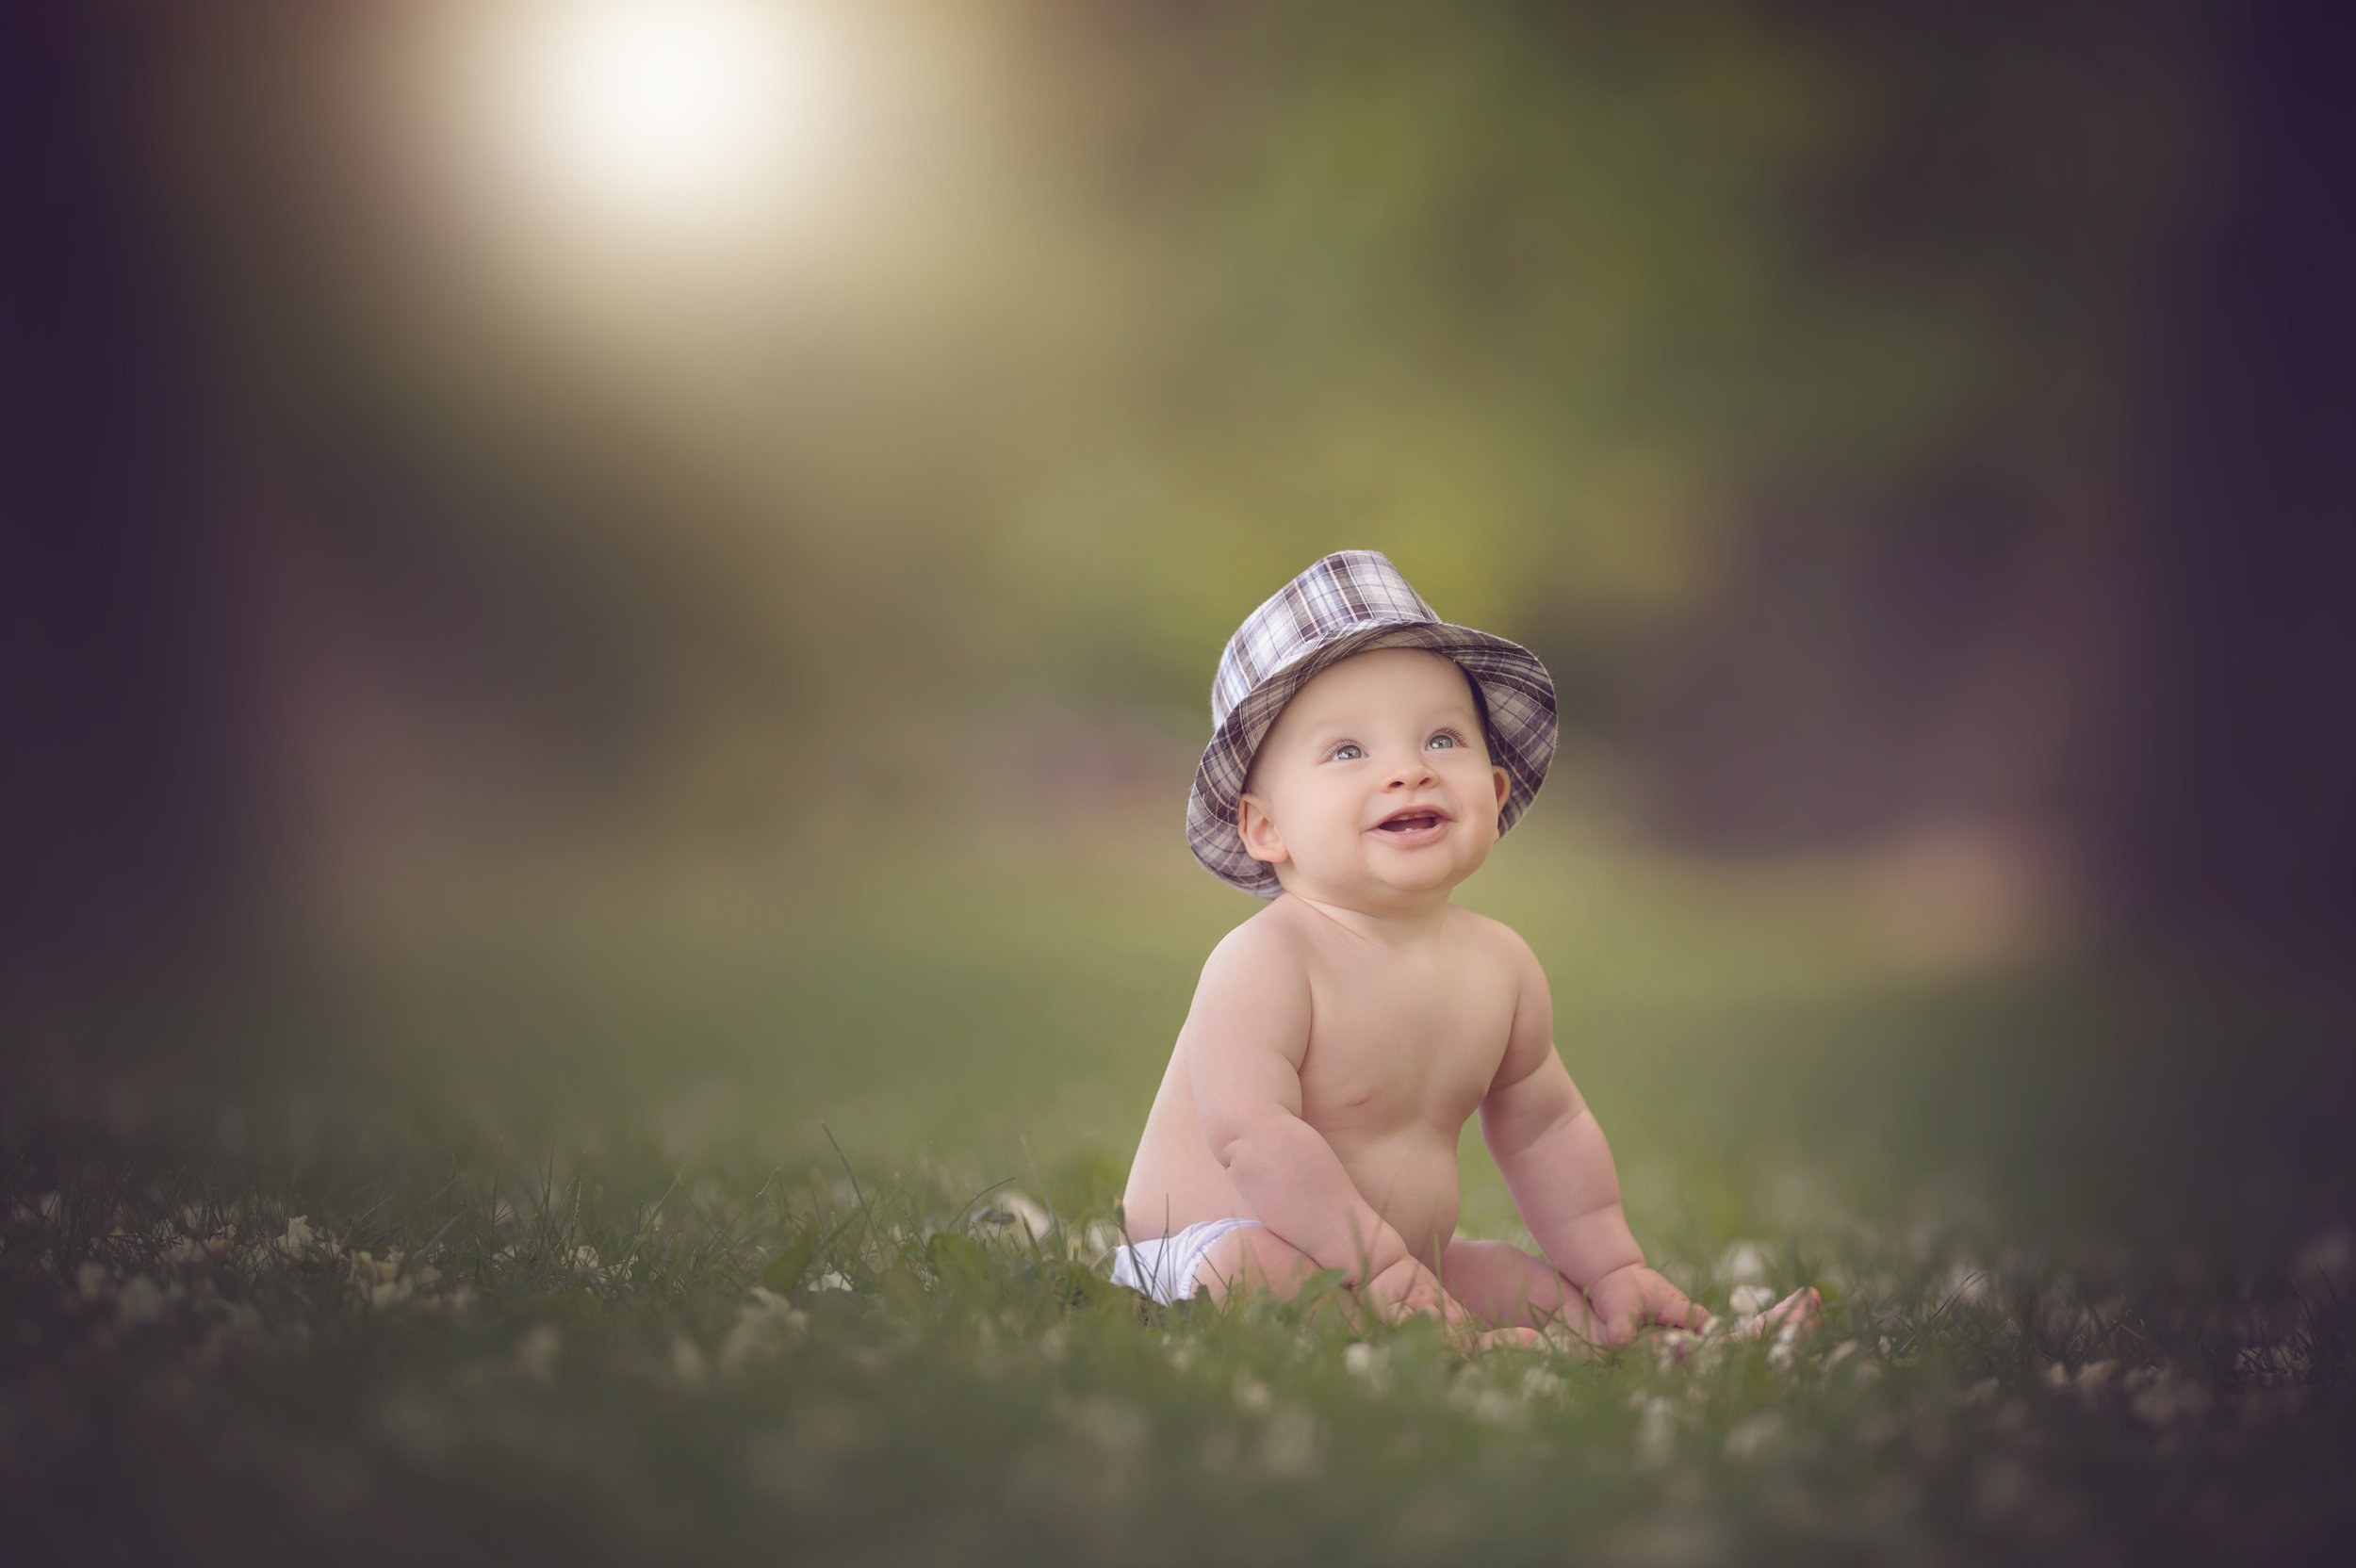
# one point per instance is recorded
(1505, 1287)
(1255, 1257)
(1252, 1257)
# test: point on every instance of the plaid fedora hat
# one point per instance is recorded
(1345, 603)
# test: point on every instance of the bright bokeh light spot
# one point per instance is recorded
(672, 112)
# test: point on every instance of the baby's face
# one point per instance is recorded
(1373, 789)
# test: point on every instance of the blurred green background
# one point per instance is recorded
(616, 571)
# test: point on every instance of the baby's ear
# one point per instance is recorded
(1261, 840)
(1504, 783)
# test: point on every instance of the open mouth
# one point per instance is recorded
(1410, 822)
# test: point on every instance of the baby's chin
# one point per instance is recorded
(1373, 886)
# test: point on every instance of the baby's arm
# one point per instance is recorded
(1244, 1039)
(1559, 1168)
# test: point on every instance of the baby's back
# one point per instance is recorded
(1402, 1043)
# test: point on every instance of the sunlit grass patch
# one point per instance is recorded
(612, 1355)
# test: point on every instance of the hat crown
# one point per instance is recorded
(1338, 594)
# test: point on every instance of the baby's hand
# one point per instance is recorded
(1802, 1312)
(1406, 1288)
(1635, 1297)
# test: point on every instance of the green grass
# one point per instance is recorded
(608, 1358)
(586, 1278)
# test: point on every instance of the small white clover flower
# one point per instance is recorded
(1484, 1402)
(1109, 1425)
(1754, 1434)
(300, 1241)
(1966, 1284)
(1743, 1264)
(1013, 1207)
(1289, 1445)
(539, 1350)
(763, 1327)
(2162, 1398)
(141, 1301)
(689, 1365)
(1655, 1430)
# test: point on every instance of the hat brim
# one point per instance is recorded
(1523, 731)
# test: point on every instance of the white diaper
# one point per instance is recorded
(1165, 1268)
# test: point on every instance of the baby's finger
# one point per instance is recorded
(1801, 1311)
(1666, 1305)
(1680, 1313)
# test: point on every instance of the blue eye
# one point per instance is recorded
(1347, 751)
(1442, 741)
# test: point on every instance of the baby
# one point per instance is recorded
(1366, 755)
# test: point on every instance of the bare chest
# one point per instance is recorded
(1397, 1044)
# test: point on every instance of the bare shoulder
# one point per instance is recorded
(1271, 939)
(1266, 955)
(1255, 990)
(1500, 942)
